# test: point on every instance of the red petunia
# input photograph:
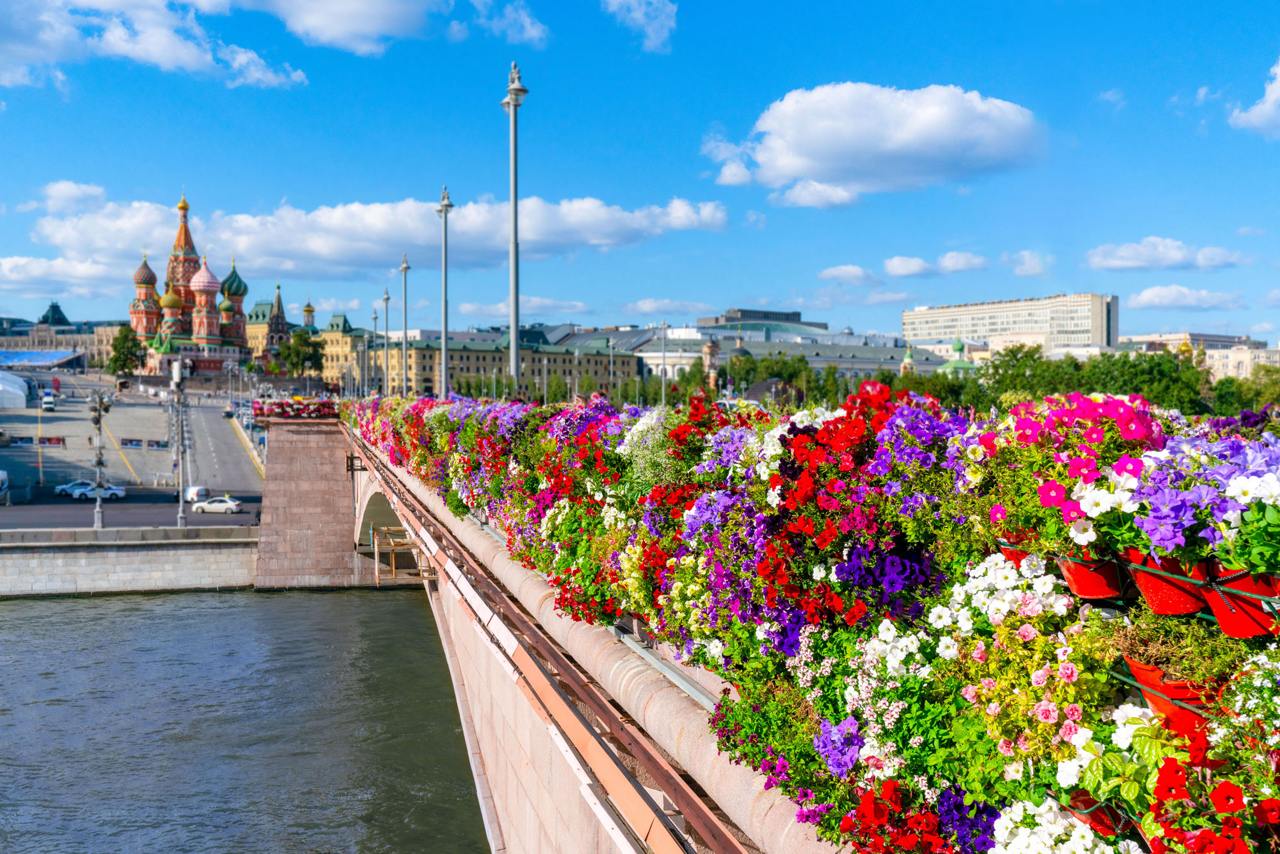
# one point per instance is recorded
(1171, 782)
(846, 824)
(871, 812)
(1227, 797)
(1268, 811)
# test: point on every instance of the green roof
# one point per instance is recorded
(233, 285)
(260, 313)
(339, 323)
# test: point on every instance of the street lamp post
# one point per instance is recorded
(373, 354)
(515, 97)
(443, 210)
(664, 363)
(386, 342)
(404, 326)
(99, 406)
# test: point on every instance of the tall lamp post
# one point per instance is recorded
(404, 326)
(386, 342)
(373, 354)
(664, 363)
(443, 210)
(99, 406)
(515, 97)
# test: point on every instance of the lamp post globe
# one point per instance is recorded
(443, 210)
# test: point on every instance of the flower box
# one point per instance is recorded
(1103, 820)
(1163, 594)
(1090, 578)
(1244, 616)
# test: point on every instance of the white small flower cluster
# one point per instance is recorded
(997, 589)
(900, 654)
(644, 432)
(1255, 697)
(802, 666)
(1248, 488)
(1095, 499)
(1128, 718)
(1024, 828)
(552, 518)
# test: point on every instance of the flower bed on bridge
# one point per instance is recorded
(295, 408)
(946, 633)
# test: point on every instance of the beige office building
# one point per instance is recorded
(1080, 323)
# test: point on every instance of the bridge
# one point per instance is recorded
(580, 738)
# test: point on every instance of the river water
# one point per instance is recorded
(230, 722)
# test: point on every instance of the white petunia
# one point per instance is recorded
(948, 649)
(1082, 532)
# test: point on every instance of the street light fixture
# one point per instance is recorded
(99, 406)
(443, 211)
(373, 354)
(515, 97)
(404, 326)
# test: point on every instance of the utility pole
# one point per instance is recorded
(610, 340)
(544, 380)
(443, 210)
(404, 326)
(175, 385)
(515, 97)
(386, 342)
(373, 354)
(99, 406)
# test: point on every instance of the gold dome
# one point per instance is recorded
(171, 299)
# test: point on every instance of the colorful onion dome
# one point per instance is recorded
(226, 305)
(171, 299)
(233, 285)
(204, 281)
(144, 275)
(182, 203)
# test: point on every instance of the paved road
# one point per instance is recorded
(133, 512)
(218, 458)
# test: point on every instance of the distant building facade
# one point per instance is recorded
(54, 332)
(1082, 324)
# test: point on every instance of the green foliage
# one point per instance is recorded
(127, 353)
(302, 353)
(1185, 648)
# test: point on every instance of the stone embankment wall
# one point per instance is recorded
(125, 560)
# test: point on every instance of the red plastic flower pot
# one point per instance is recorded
(1091, 579)
(1013, 554)
(1165, 595)
(1160, 693)
(1244, 616)
(1103, 820)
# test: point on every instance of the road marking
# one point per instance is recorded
(120, 451)
(248, 449)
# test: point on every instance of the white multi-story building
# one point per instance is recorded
(1238, 361)
(1066, 323)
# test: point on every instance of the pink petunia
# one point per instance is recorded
(1027, 430)
(1078, 466)
(998, 513)
(993, 708)
(1073, 712)
(1027, 632)
(1005, 747)
(1040, 677)
(1051, 493)
(1094, 434)
(1045, 711)
(987, 683)
(1023, 742)
(1129, 465)
(1068, 672)
(970, 693)
(979, 653)
(1071, 511)
(1069, 729)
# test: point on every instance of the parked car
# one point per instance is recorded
(48, 404)
(192, 494)
(222, 504)
(68, 488)
(5, 439)
(108, 491)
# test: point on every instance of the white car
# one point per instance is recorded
(68, 488)
(108, 492)
(223, 504)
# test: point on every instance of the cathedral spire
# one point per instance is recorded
(183, 245)
(277, 307)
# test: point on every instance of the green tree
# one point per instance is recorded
(127, 353)
(557, 388)
(302, 353)
(1231, 395)
(586, 385)
(1264, 385)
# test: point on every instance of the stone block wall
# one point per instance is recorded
(308, 509)
(126, 566)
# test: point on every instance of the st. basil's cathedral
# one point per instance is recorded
(199, 319)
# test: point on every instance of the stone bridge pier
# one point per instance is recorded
(581, 738)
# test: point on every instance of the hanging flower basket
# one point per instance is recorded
(1090, 578)
(1246, 605)
(1101, 819)
(1167, 586)
(1161, 692)
(1011, 546)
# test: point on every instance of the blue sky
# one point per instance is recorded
(848, 159)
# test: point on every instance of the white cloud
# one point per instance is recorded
(1204, 95)
(1028, 262)
(960, 262)
(68, 196)
(249, 69)
(733, 174)
(1273, 297)
(354, 239)
(1250, 231)
(457, 31)
(655, 19)
(513, 22)
(50, 270)
(850, 274)
(362, 28)
(882, 297)
(1262, 328)
(903, 265)
(755, 219)
(1114, 97)
(528, 305)
(827, 145)
(334, 304)
(657, 305)
(1160, 253)
(1264, 115)
(1179, 296)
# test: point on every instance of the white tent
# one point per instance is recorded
(13, 391)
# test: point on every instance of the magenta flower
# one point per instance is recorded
(998, 513)
(1051, 493)
(1094, 435)
(1078, 466)
(1073, 712)
(1027, 430)
(1045, 711)
(1129, 465)
(1071, 511)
